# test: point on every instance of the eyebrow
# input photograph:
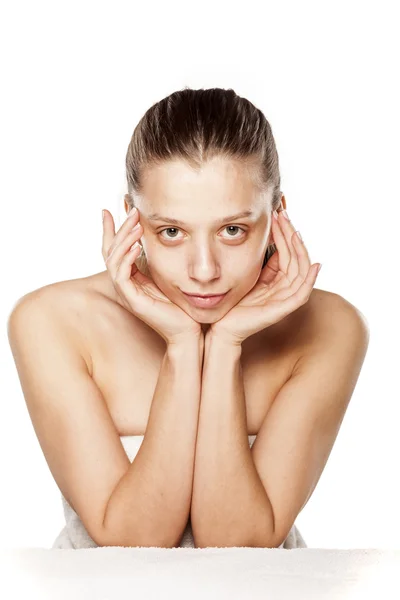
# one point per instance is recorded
(244, 213)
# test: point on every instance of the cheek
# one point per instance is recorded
(251, 263)
(249, 272)
(162, 272)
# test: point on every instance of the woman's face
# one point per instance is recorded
(192, 241)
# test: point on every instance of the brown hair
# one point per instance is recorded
(195, 125)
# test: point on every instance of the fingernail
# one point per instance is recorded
(299, 235)
(285, 215)
(102, 215)
(275, 214)
(319, 268)
(132, 211)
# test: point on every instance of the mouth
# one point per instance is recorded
(204, 301)
(205, 295)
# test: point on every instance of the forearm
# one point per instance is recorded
(229, 504)
(150, 505)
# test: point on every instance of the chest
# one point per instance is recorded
(126, 362)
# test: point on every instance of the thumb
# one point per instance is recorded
(271, 269)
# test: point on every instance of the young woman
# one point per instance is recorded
(167, 419)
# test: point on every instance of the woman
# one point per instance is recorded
(147, 401)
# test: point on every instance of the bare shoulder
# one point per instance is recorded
(65, 304)
(314, 325)
(331, 308)
(329, 315)
(62, 298)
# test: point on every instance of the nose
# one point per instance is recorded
(204, 266)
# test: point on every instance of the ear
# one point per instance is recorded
(126, 203)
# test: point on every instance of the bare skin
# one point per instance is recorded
(123, 345)
(123, 354)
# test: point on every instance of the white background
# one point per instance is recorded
(77, 76)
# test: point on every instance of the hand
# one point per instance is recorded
(138, 293)
(285, 284)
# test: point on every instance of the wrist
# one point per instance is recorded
(189, 350)
(222, 344)
(186, 342)
(221, 338)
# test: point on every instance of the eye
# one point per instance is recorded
(168, 229)
(234, 227)
(176, 229)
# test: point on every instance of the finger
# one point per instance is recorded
(133, 284)
(126, 266)
(115, 257)
(281, 244)
(303, 261)
(123, 282)
(303, 293)
(293, 298)
(127, 269)
(130, 222)
(108, 232)
(125, 228)
(288, 229)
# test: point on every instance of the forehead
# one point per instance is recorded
(219, 181)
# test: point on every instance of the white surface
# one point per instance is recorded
(187, 573)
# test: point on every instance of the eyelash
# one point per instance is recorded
(176, 229)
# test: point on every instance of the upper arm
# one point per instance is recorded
(299, 430)
(71, 420)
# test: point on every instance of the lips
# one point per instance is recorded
(205, 302)
(204, 295)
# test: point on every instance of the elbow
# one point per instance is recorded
(133, 541)
(269, 543)
(222, 542)
(231, 541)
